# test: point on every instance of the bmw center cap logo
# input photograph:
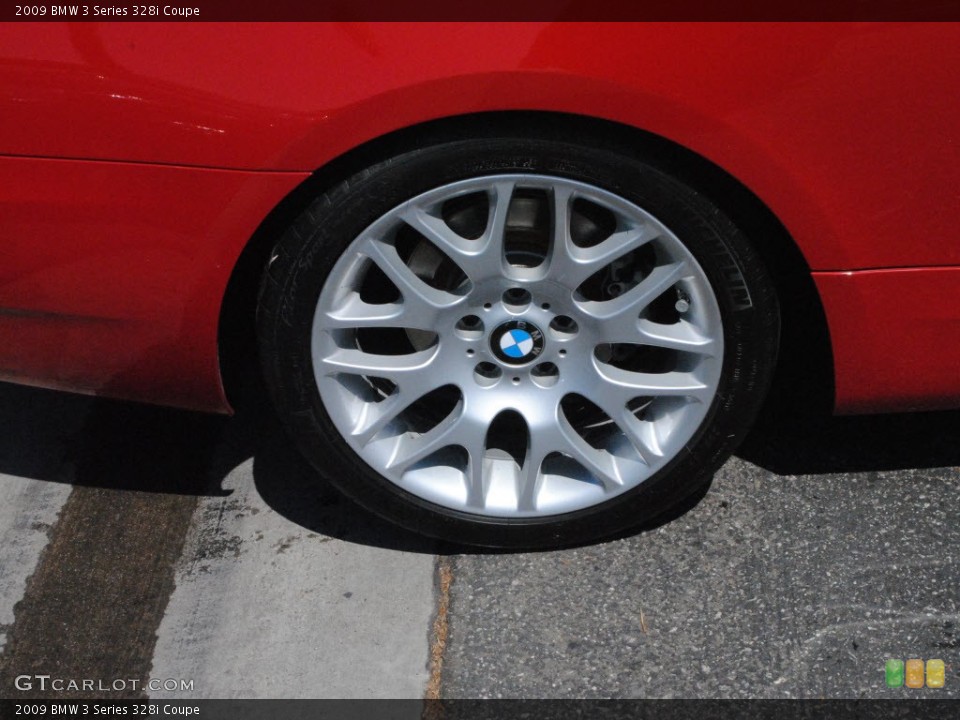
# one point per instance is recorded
(517, 342)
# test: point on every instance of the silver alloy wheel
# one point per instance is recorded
(517, 345)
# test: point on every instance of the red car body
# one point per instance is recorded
(138, 161)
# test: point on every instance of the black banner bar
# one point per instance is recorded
(451, 10)
(927, 707)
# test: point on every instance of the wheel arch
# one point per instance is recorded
(805, 353)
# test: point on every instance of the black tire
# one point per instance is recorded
(304, 256)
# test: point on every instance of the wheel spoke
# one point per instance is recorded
(639, 384)
(600, 464)
(445, 433)
(475, 443)
(376, 416)
(478, 259)
(561, 263)
(461, 250)
(681, 336)
(634, 301)
(492, 239)
(612, 399)
(572, 265)
(531, 479)
(355, 313)
(411, 374)
(418, 296)
(398, 368)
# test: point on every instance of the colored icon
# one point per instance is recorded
(894, 673)
(914, 674)
(935, 673)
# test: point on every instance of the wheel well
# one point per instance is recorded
(805, 363)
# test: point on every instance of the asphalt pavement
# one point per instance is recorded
(140, 542)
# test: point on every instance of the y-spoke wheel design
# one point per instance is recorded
(516, 341)
(517, 345)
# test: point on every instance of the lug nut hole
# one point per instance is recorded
(486, 374)
(545, 374)
(564, 327)
(516, 299)
(469, 327)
